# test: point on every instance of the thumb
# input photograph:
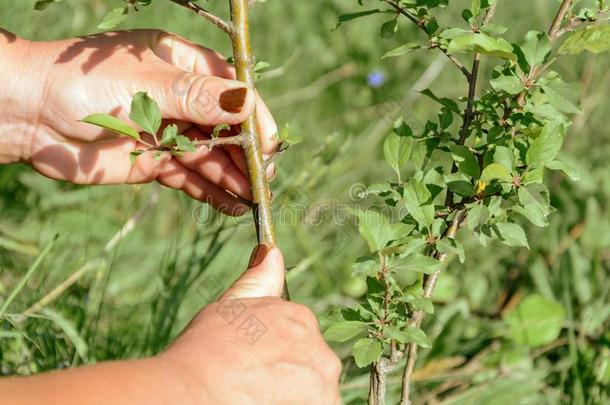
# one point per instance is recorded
(264, 277)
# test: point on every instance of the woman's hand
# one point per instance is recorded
(51, 86)
(251, 347)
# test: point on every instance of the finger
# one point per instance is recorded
(191, 57)
(191, 97)
(264, 277)
(102, 162)
(267, 127)
(176, 176)
(216, 166)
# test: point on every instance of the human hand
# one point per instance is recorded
(251, 347)
(54, 85)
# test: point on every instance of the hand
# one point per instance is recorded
(251, 347)
(53, 85)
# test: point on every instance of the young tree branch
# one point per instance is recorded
(217, 21)
(418, 316)
(414, 20)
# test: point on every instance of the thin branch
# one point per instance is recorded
(229, 140)
(559, 17)
(417, 22)
(214, 19)
(244, 69)
(418, 316)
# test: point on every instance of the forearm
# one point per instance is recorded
(148, 381)
(22, 74)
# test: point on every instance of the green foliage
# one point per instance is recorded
(175, 266)
(536, 321)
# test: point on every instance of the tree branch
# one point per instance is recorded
(229, 140)
(418, 316)
(244, 68)
(415, 21)
(217, 21)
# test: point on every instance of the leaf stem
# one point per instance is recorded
(217, 21)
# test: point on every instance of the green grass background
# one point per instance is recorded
(131, 300)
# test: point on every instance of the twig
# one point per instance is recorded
(244, 68)
(472, 82)
(229, 140)
(418, 316)
(217, 21)
(417, 22)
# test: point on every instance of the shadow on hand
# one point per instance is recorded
(60, 162)
(103, 46)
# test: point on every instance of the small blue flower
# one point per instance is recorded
(376, 79)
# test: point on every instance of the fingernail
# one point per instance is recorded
(233, 100)
(258, 255)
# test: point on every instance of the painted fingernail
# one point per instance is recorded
(233, 100)
(258, 255)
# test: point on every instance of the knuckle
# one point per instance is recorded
(305, 315)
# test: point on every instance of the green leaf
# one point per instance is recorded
(70, 330)
(561, 95)
(481, 43)
(261, 66)
(114, 18)
(508, 84)
(367, 351)
(288, 136)
(352, 16)
(146, 113)
(342, 331)
(496, 171)
(401, 50)
(511, 234)
(461, 187)
(547, 145)
(418, 263)
(416, 198)
(477, 215)
(450, 246)
(447, 102)
(218, 129)
(397, 150)
(375, 228)
(411, 334)
(389, 28)
(536, 321)
(536, 47)
(534, 204)
(571, 171)
(185, 144)
(465, 160)
(112, 123)
(43, 4)
(595, 38)
(169, 134)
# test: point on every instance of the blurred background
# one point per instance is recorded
(132, 264)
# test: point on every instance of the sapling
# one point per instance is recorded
(145, 112)
(479, 165)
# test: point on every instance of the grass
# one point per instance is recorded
(131, 295)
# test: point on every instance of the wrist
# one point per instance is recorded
(23, 72)
(184, 383)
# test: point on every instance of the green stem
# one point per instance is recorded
(244, 67)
